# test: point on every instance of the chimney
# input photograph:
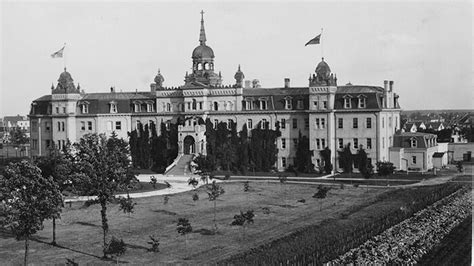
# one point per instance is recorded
(385, 83)
(112, 89)
(287, 82)
(390, 85)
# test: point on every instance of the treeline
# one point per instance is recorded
(232, 151)
(150, 151)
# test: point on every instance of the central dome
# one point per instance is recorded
(203, 51)
(323, 69)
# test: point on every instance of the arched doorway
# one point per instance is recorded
(189, 145)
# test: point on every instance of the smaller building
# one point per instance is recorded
(415, 151)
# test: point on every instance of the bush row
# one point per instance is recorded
(316, 244)
(408, 241)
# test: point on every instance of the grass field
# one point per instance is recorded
(79, 231)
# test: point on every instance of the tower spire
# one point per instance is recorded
(202, 34)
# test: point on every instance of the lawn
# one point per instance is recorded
(277, 214)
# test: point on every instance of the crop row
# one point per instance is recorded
(408, 241)
(319, 243)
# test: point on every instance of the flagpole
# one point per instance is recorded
(322, 48)
(64, 57)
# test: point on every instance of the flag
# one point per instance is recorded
(315, 40)
(58, 53)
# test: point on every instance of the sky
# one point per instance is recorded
(425, 47)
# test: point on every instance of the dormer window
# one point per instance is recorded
(413, 143)
(84, 107)
(149, 107)
(347, 102)
(137, 107)
(113, 107)
(299, 104)
(263, 104)
(288, 104)
(362, 101)
(249, 104)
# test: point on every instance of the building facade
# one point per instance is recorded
(329, 115)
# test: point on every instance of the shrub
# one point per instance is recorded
(115, 247)
(153, 181)
(385, 168)
(155, 243)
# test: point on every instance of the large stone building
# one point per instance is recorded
(330, 115)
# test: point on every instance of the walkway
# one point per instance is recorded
(182, 166)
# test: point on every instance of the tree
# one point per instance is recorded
(18, 136)
(57, 166)
(115, 248)
(28, 199)
(127, 205)
(321, 194)
(243, 150)
(205, 165)
(385, 168)
(214, 191)
(365, 168)
(345, 158)
(303, 155)
(102, 167)
(184, 227)
(326, 156)
(242, 219)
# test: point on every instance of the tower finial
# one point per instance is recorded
(239, 67)
(202, 34)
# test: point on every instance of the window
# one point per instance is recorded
(263, 104)
(413, 143)
(249, 124)
(216, 106)
(216, 122)
(57, 110)
(229, 123)
(369, 122)
(389, 122)
(118, 125)
(356, 143)
(325, 104)
(340, 123)
(323, 143)
(383, 143)
(288, 104)
(59, 126)
(347, 102)
(194, 105)
(340, 143)
(383, 122)
(48, 143)
(249, 105)
(283, 143)
(264, 124)
(200, 105)
(362, 102)
(318, 144)
(113, 107)
(62, 126)
(369, 143)
(136, 107)
(355, 123)
(299, 104)
(295, 123)
(168, 107)
(413, 159)
(34, 143)
(85, 108)
(317, 123)
(168, 125)
(306, 123)
(315, 104)
(47, 126)
(283, 123)
(48, 111)
(283, 162)
(323, 123)
(109, 126)
(64, 110)
(149, 107)
(83, 125)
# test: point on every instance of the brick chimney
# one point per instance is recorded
(287, 82)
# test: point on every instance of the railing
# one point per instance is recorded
(169, 167)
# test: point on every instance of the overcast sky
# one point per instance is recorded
(425, 47)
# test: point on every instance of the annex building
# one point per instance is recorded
(329, 115)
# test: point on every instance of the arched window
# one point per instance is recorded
(199, 66)
(216, 106)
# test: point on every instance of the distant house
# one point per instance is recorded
(415, 151)
(413, 127)
(18, 121)
(436, 126)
